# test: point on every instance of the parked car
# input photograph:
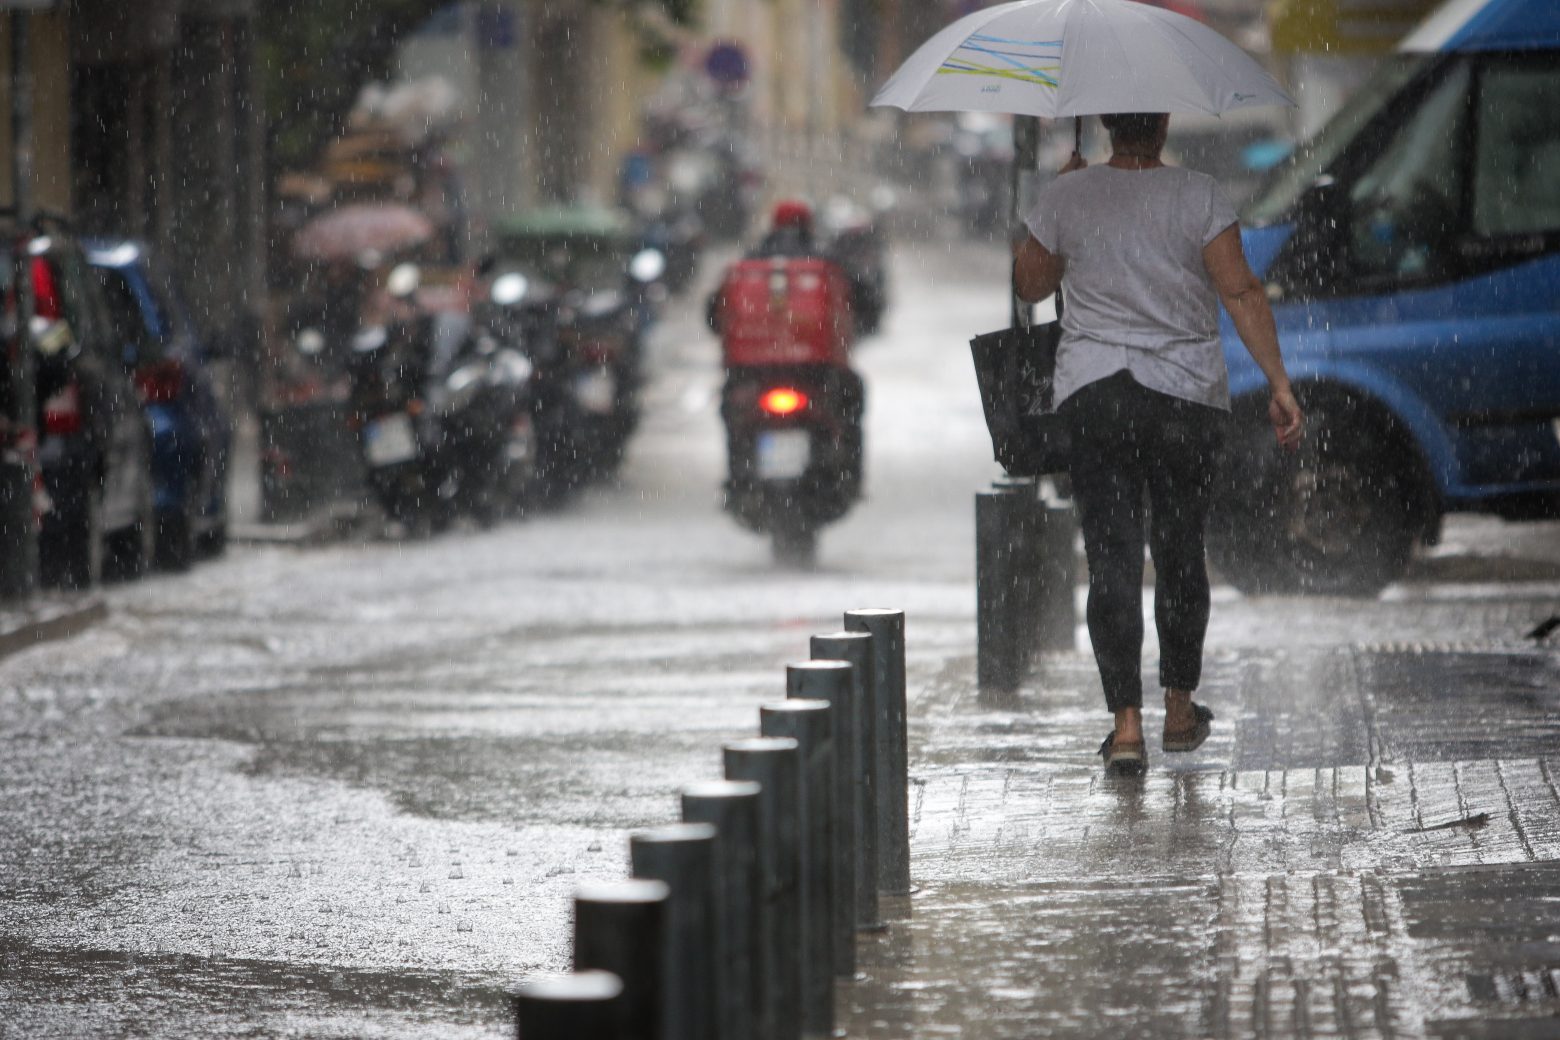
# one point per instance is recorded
(192, 432)
(95, 445)
(21, 486)
(1412, 251)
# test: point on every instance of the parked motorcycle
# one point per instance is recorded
(521, 316)
(856, 242)
(486, 424)
(791, 404)
(590, 280)
(443, 415)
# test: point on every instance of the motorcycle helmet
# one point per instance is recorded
(793, 213)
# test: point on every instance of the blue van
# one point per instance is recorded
(192, 432)
(1412, 254)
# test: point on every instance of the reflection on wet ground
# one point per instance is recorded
(1368, 847)
(213, 995)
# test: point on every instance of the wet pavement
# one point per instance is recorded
(347, 789)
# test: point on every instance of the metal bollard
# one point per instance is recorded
(620, 926)
(569, 1007)
(1057, 574)
(683, 856)
(835, 683)
(1024, 579)
(776, 766)
(999, 636)
(731, 807)
(887, 628)
(854, 739)
(810, 724)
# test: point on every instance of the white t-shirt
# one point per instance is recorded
(1137, 295)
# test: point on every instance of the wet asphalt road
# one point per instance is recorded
(347, 790)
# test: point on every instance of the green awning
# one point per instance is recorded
(566, 220)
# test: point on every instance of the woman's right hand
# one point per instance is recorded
(1287, 419)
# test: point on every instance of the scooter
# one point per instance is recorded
(443, 417)
(388, 374)
(856, 243)
(487, 446)
(604, 332)
(791, 403)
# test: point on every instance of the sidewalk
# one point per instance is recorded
(1369, 845)
(47, 617)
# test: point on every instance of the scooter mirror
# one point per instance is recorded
(509, 289)
(403, 280)
(310, 342)
(647, 266)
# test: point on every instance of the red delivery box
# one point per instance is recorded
(785, 311)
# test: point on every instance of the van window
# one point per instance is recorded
(1311, 160)
(1517, 179)
(1406, 208)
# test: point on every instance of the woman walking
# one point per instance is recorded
(1145, 252)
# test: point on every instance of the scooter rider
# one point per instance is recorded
(792, 404)
(790, 234)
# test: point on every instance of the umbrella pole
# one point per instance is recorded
(1077, 135)
(1026, 137)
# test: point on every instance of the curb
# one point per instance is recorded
(33, 626)
(325, 525)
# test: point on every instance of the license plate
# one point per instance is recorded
(596, 391)
(783, 454)
(390, 440)
(522, 442)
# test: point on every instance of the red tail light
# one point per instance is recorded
(62, 411)
(46, 291)
(160, 382)
(597, 351)
(782, 400)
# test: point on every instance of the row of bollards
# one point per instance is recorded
(737, 921)
(1025, 570)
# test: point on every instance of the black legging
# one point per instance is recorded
(1125, 439)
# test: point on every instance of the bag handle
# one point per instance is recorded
(1018, 310)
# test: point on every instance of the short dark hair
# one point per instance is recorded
(1132, 127)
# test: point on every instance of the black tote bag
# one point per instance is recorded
(1016, 368)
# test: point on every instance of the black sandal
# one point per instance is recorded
(1124, 759)
(1190, 739)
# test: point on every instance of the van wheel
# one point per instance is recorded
(1335, 518)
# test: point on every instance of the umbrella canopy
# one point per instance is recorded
(1079, 57)
(350, 231)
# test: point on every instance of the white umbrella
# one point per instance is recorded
(1079, 57)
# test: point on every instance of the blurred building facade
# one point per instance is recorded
(1328, 48)
(145, 122)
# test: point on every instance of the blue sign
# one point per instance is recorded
(727, 63)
